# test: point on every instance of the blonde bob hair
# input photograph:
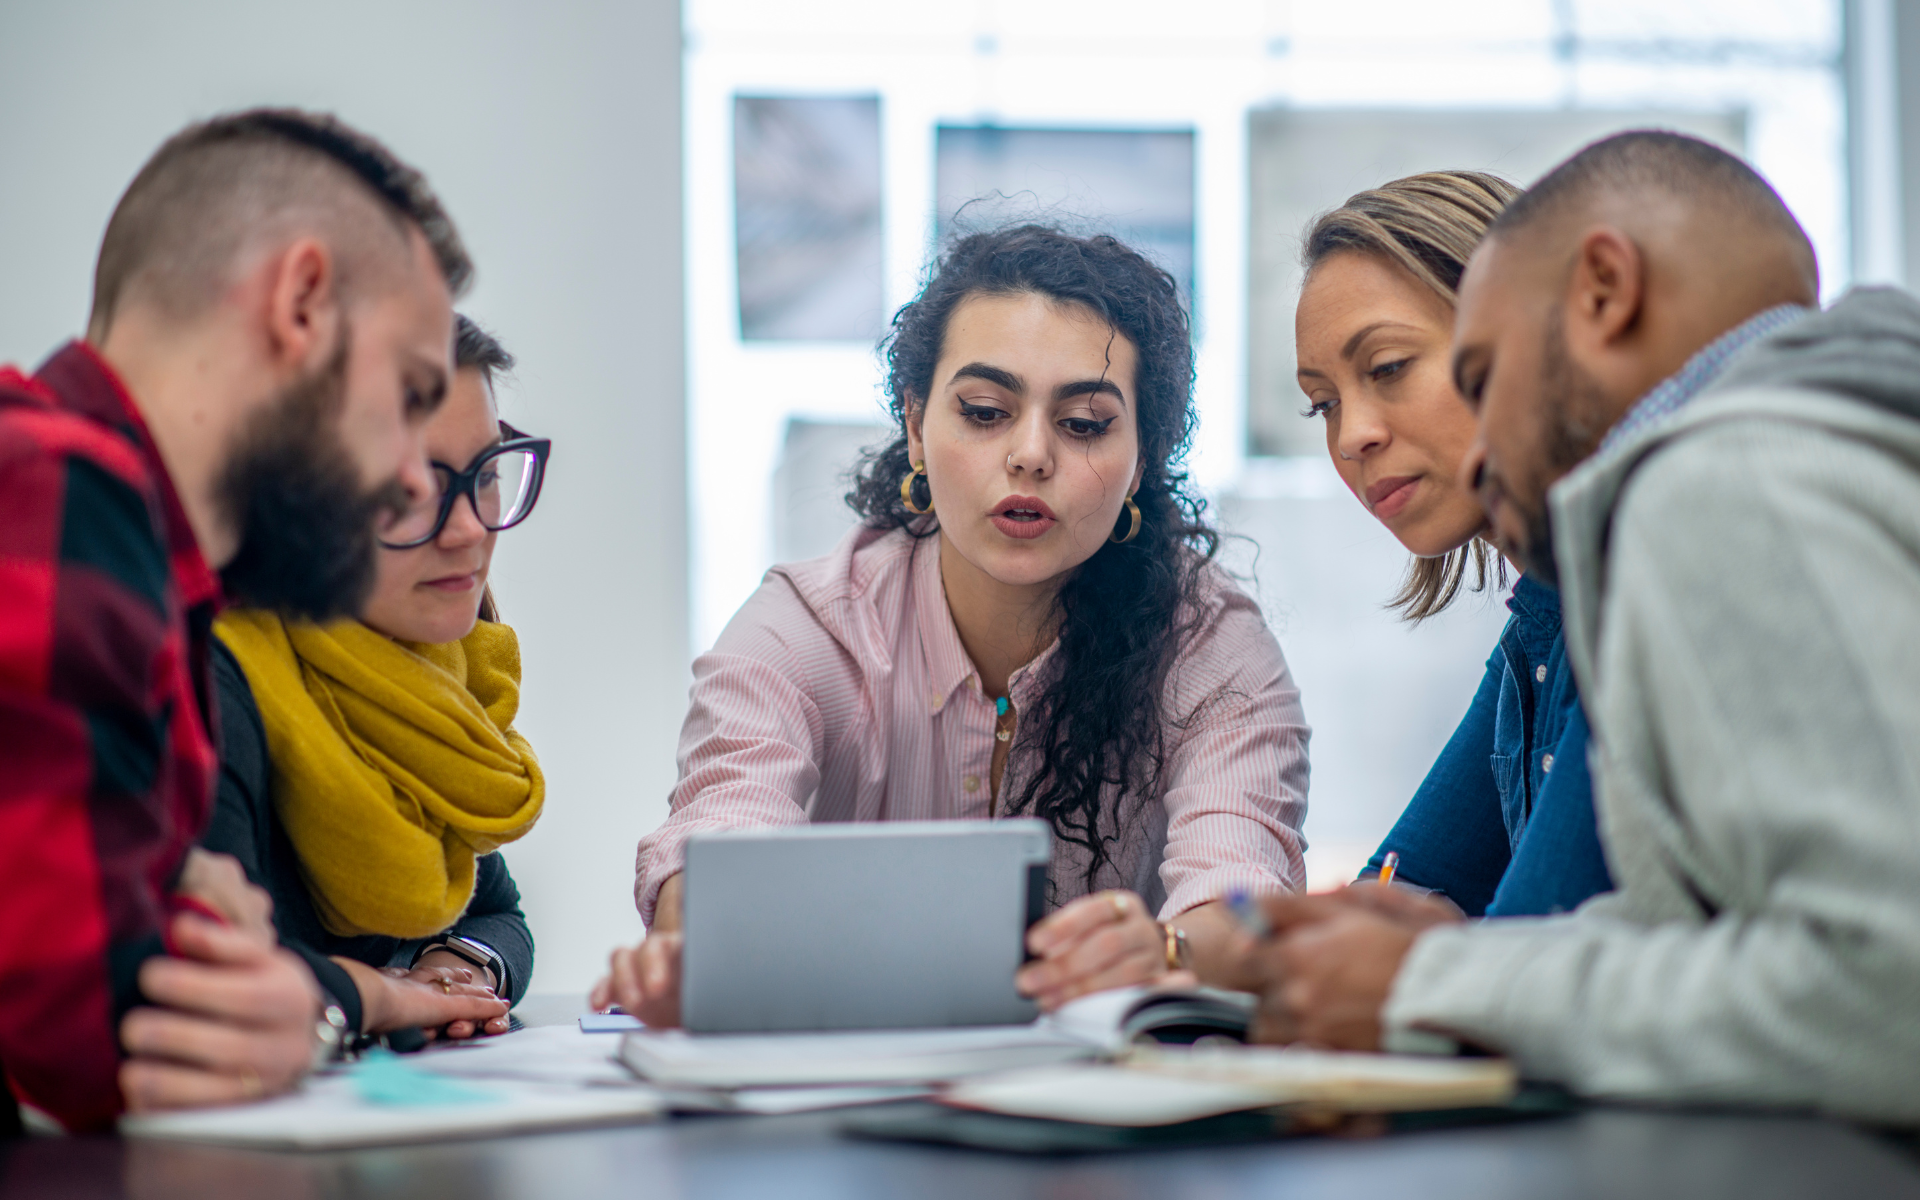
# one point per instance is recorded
(1427, 225)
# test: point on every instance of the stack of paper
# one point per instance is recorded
(1086, 1028)
(676, 1059)
(774, 1101)
(532, 1079)
(557, 1054)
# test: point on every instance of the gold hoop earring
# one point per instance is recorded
(1133, 531)
(906, 490)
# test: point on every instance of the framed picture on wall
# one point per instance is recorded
(807, 212)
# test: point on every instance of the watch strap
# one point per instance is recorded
(474, 951)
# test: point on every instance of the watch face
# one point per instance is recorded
(478, 953)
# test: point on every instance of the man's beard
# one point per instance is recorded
(291, 487)
(1574, 410)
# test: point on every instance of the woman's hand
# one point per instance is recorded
(444, 964)
(1106, 940)
(644, 980)
(432, 998)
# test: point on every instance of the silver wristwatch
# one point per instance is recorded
(474, 951)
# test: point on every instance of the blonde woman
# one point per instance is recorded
(1503, 825)
(371, 768)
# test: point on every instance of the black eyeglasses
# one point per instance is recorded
(501, 484)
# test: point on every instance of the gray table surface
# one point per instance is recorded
(1637, 1154)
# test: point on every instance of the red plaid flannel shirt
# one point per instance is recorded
(107, 759)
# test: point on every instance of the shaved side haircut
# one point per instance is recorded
(222, 189)
(1643, 160)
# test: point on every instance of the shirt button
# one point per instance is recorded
(1540, 673)
(1546, 762)
(935, 699)
(971, 783)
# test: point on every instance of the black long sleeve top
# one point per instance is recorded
(246, 825)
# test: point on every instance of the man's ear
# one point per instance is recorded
(303, 315)
(1607, 289)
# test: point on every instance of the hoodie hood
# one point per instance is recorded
(1864, 350)
(1866, 347)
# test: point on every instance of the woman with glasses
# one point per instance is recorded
(1027, 622)
(371, 769)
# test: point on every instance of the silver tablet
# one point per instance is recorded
(891, 925)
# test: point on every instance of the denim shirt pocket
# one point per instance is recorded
(1510, 780)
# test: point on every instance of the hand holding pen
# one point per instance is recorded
(1261, 917)
(1325, 962)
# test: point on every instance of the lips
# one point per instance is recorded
(1022, 517)
(1387, 497)
(453, 583)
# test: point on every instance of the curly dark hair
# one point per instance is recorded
(1127, 611)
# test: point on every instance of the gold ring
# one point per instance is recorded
(1175, 945)
(250, 1086)
(1120, 907)
(444, 985)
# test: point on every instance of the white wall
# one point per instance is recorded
(1200, 65)
(552, 132)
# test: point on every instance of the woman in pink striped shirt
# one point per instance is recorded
(1027, 623)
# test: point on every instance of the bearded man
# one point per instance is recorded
(1728, 482)
(272, 323)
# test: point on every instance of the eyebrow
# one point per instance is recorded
(990, 374)
(1002, 378)
(1089, 387)
(1360, 335)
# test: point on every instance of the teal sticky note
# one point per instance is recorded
(384, 1078)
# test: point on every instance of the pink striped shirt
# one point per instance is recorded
(840, 692)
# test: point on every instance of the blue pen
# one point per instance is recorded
(1248, 913)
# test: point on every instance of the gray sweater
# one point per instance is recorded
(1742, 595)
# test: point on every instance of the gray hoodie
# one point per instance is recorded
(1742, 594)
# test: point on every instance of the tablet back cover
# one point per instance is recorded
(892, 925)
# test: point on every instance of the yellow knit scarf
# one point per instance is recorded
(394, 763)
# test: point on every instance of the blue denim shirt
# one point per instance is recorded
(1503, 824)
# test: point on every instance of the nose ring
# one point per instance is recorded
(1010, 464)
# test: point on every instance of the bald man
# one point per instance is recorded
(1734, 488)
(271, 327)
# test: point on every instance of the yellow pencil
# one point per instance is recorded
(1388, 865)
